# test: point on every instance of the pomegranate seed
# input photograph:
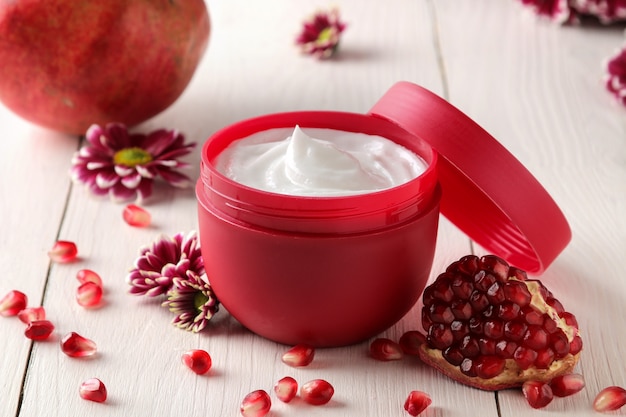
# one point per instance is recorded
(441, 313)
(467, 367)
(416, 402)
(286, 389)
(256, 404)
(93, 390)
(299, 355)
(462, 288)
(524, 357)
(63, 251)
(487, 346)
(385, 350)
(77, 346)
(12, 303)
(544, 358)
(536, 338)
(440, 336)
(610, 399)
(39, 330)
(411, 341)
(197, 360)
(538, 394)
(136, 216)
(488, 366)
(31, 314)
(317, 392)
(565, 385)
(461, 309)
(517, 293)
(453, 355)
(459, 330)
(576, 345)
(570, 319)
(87, 275)
(89, 294)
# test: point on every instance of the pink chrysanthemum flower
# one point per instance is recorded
(607, 11)
(558, 11)
(162, 262)
(616, 75)
(320, 34)
(193, 301)
(124, 165)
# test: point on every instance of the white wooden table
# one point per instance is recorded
(535, 86)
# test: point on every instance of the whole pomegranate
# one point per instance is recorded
(67, 64)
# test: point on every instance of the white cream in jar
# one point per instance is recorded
(318, 162)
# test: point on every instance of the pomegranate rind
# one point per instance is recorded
(511, 377)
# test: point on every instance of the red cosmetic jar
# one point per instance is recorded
(332, 271)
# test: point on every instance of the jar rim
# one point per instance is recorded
(348, 213)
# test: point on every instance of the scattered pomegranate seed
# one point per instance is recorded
(385, 350)
(317, 392)
(610, 399)
(256, 404)
(89, 294)
(39, 330)
(30, 314)
(538, 394)
(411, 341)
(286, 389)
(93, 390)
(12, 303)
(299, 355)
(87, 275)
(63, 251)
(565, 385)
(77, 346)
(136, 216)
(416, 402)
(197, 360)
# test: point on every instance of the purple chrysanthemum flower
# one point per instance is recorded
(162, 262)
(616, 75)
(193, 301)
(124, 165)
(321, 33)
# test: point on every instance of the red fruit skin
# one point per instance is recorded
(67, 64)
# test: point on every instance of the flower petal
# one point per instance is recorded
(132, 181)
(106, 179)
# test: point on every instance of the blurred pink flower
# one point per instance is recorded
(321, 33)
(616, 75)
(558, 11)
(570, 11)
(607, 11)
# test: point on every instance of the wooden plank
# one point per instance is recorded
(34, 186)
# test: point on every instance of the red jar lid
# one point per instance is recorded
(487, 192)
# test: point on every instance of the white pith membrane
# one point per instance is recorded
(512, 376)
